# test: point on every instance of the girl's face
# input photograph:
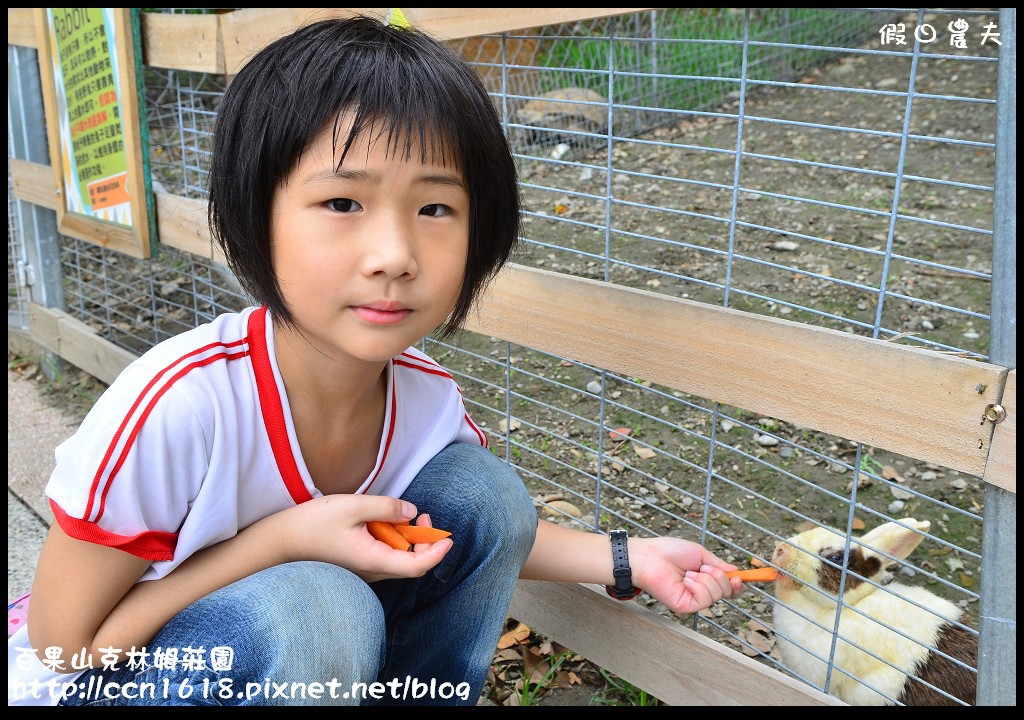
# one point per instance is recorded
(370, 258)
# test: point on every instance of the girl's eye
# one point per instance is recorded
(343, 205)
(435, 210)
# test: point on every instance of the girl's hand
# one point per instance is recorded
(683, 575)
(333, 529)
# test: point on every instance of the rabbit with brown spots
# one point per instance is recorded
(897, 642)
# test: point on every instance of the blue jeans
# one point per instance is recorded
(313, 633)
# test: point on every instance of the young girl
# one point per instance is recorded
(210, 544)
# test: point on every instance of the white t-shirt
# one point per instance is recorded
(194, 441)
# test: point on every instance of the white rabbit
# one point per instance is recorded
(805, 598)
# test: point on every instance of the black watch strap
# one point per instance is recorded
(623, 588)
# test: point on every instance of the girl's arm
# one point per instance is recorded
(681, 574)
(87, 596)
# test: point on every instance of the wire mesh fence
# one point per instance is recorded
(797, 163)
(17, 295)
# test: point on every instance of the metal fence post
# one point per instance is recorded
(39, 267)
(997, 659)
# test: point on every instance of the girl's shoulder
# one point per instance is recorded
(223, 331)
(199, 358)
(417, 362)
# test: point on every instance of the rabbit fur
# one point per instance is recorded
(805, 598)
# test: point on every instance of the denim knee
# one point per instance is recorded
(313, 616)
(484, 487)
(300, 625)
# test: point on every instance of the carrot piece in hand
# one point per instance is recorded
(387, 533)
(761, 574)
(421, 534)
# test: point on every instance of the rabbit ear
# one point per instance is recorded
(894, 540)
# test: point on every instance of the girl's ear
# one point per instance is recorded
(893, 541)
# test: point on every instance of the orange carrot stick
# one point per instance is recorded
(761, 574)
(387, 533)
(421, 534)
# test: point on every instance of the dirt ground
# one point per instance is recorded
(831, 278)
(939, 264)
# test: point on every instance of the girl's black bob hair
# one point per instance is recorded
(398, 80)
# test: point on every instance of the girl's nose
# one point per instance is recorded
(390, 251)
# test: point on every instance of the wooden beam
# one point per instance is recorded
(458, 23)
(77, 343)
(182, 42)
(244, 32)
(223, 42)
(105, 234)
(247, 31)
(182, 224)
(916, 402)
(21, 28)
(33, 183)
(674, 663)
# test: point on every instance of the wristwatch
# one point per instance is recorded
(623, 589)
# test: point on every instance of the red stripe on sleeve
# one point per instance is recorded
(151, 545)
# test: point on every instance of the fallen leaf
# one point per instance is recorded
(619, 434)
(504, 425)
(759, 642)
(556, 506)
(890, 473)
(506, 641)
(534, 667)
(520, 633)
(644, 452)
(858, 524)
(863, 481)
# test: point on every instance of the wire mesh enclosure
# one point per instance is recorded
(834, 167)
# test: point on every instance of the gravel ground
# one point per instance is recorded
(34, 429)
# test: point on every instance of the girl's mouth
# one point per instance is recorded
(382, 313)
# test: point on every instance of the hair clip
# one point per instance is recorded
(397, 19)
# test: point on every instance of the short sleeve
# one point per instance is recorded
(129, 474)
